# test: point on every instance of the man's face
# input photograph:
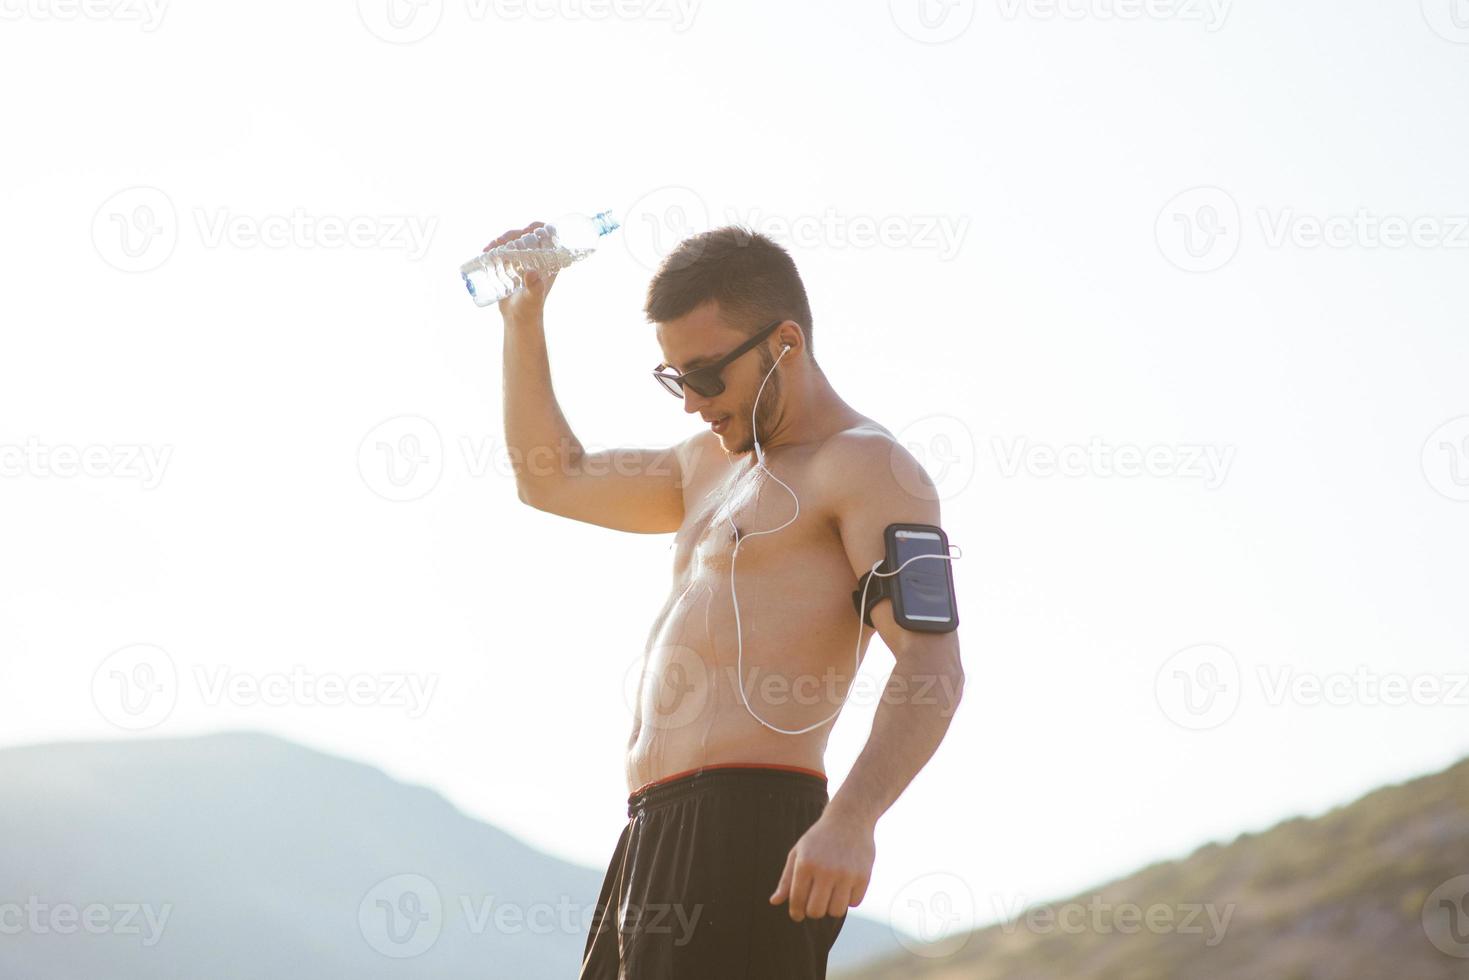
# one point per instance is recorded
(700, 337)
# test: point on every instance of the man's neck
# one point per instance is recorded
(809, 414)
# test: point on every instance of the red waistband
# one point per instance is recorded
(727, 765)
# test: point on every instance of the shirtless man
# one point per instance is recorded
(735, 863)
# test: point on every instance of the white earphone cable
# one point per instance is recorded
(734, 596)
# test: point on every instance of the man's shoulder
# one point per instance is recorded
(696, 453)
(855, 446)
(866, 457)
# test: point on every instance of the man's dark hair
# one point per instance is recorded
(752, 278)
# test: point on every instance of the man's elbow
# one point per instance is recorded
(950, 670)
(954, 687)
(527, 495)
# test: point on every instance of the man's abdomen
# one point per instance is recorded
(796, 668)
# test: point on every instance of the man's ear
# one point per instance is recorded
(789, 340)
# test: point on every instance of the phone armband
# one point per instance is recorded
(923, 592)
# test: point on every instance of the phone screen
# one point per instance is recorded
(925, 583)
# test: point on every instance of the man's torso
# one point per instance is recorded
(796, 618)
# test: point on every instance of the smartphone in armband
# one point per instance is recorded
(924, 597)
(923, 592)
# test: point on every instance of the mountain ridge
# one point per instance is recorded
(274, 859)
(1340, 895)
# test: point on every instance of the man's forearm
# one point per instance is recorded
(537, 436)
(918, 703)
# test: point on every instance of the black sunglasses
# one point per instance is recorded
(705, 379)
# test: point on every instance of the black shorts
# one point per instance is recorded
(687, 893)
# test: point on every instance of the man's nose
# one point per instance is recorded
(693, 401)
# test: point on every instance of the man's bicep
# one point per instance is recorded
(876, 481)
(626, 489)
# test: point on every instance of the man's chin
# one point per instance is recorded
(732, 448)
(733, 445)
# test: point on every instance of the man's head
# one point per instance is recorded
(710, 295)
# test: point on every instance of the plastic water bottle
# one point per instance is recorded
(493, 275)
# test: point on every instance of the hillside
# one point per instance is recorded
(1336, 897)
(243, 856)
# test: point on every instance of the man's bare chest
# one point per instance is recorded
(753, 512)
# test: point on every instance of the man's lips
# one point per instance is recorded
(717, 424)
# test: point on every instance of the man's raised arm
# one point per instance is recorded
(638, 490)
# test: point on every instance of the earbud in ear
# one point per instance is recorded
(785, 347)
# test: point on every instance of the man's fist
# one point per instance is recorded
(828, 869)
(530, 300)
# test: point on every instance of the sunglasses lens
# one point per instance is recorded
(705, 383)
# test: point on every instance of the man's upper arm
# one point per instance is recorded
(875, 482)
(637, 490)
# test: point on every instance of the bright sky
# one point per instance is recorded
(1043, 242)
